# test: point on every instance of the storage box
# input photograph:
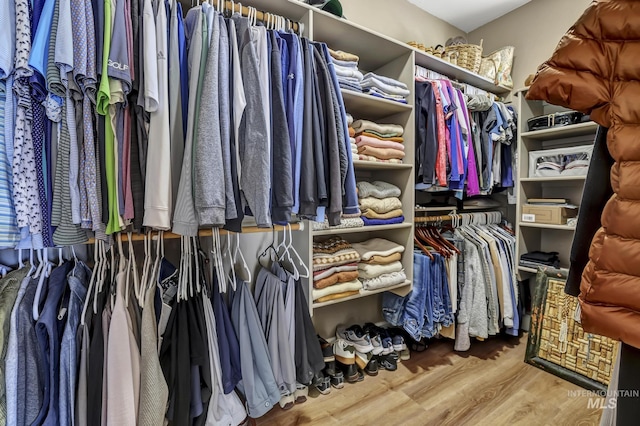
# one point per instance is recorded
(551, 215)
(569, 161)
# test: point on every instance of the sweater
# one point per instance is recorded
(377, 189)
(376, 135)
(384, 280)
(382, 153)
(363, 157)
(380, 205)
(343, 56)
(378, 222)
(354, 285)
(349, 267)
(340, 277)
(368, 271)
(384, 129)
(371, 214)
(337, 296)
(377, 247)
(362, 141)
(383, 260)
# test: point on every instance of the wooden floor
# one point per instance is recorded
(489, 385)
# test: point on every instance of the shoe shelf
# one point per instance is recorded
(363, 293)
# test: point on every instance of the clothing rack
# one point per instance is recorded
(483, 218)
(466, 88)
(208, 232)
(247, 11)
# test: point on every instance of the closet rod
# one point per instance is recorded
(209, 232)
(230, 6)
(488, 217)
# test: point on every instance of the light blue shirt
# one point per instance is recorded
(40, 45)
(7, 35)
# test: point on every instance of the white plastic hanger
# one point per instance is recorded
(92, 280)
(46, 270)
(291, 249)
(245, 267)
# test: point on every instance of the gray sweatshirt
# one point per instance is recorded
(209, 183)
(252, 134)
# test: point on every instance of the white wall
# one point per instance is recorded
(534, 29)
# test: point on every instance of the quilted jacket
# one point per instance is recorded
(595, 70)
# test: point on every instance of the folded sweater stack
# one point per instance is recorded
(379, 203)
(335, 270)
(385, 87)
(381, 141)
(380, 263)
(346, 66)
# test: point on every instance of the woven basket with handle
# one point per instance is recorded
(468, 56)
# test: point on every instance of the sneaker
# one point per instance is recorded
(327, 350)
(350, 373)
(360, 375)
(397, 337)
(381, 336)
(323, 384)
(362, 359)
(344, 352)
(355, 336)
(301, 393)
(330, 369)
(405, 355)
(337, 380)
(388, 362)
(372, 367)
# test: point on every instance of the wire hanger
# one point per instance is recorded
(245, 266)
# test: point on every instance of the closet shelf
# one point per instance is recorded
(553, 179)
(375, 165)
(361, 105)
(209, 232)
(581, 129)
(363, 293)
(361, 229)
(547, 226)
(458, 73)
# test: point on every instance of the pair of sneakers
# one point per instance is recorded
(330, 376)
(390, 341)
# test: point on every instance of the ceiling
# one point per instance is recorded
(468, 15)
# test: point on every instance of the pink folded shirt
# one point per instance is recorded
(377, 143)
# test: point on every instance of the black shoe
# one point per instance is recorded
(337, 380)
(330, 368)
(389, 363)
(323, 384)
(327, 350)
(350, 373)
(372, 367)
(360, 375)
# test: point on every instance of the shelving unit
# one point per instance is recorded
(362, 229)
(377, 107)
(374, 165)
(363, 293)
(537, 236)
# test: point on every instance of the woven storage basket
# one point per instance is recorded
(468, 56)
(587, 354)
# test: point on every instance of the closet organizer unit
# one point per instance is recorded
(390, 58)
(538, 236)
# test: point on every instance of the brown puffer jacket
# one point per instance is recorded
(596, 69)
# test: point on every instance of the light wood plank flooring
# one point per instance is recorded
(489, 385)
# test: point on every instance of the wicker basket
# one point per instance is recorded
(587, 354)
(468, 56)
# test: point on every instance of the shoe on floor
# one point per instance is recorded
(356, 336)
(327, 350)
(337, 380)
(322, 383)
(330, 369)
(350, 373)
(301, 393)
(405, 355)
(362, 359)
(386, 342)
(388, 362)
(360, 375)
(372, 367)
(344, 352)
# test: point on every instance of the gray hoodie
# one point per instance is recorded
(252, 134)
(209, 183)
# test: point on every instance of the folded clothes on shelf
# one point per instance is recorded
(384, 280)
(350, 286)
(377, 189)
(380, 205)
(345, 222)
(378, 222)
(378, 143)
(382, 153)
(363, 157)
(376, 247)
(540, 258)
(387, 130)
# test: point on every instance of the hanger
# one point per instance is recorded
(46, 270)
(422, 247)
(301, 263)
(245, 266)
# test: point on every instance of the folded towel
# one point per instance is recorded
(348, 64)
(349, 120)
(370, 214)
(362, 157)
(379, 205)
(378, 143)
(378, 222)
(386, 129)
(345, 223)
(387, 80)
(337, 278)
(382, 95)
(385, 280)
(384, 87)
(349, 267)
(382, 137)
(337, 296)
(368, 271)
(377, 189)
(352, 133)
(343, 56)
(354, 285)
(377, 247)
(350, 86)
(348, 72)
(382, 260)
(382, 153)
